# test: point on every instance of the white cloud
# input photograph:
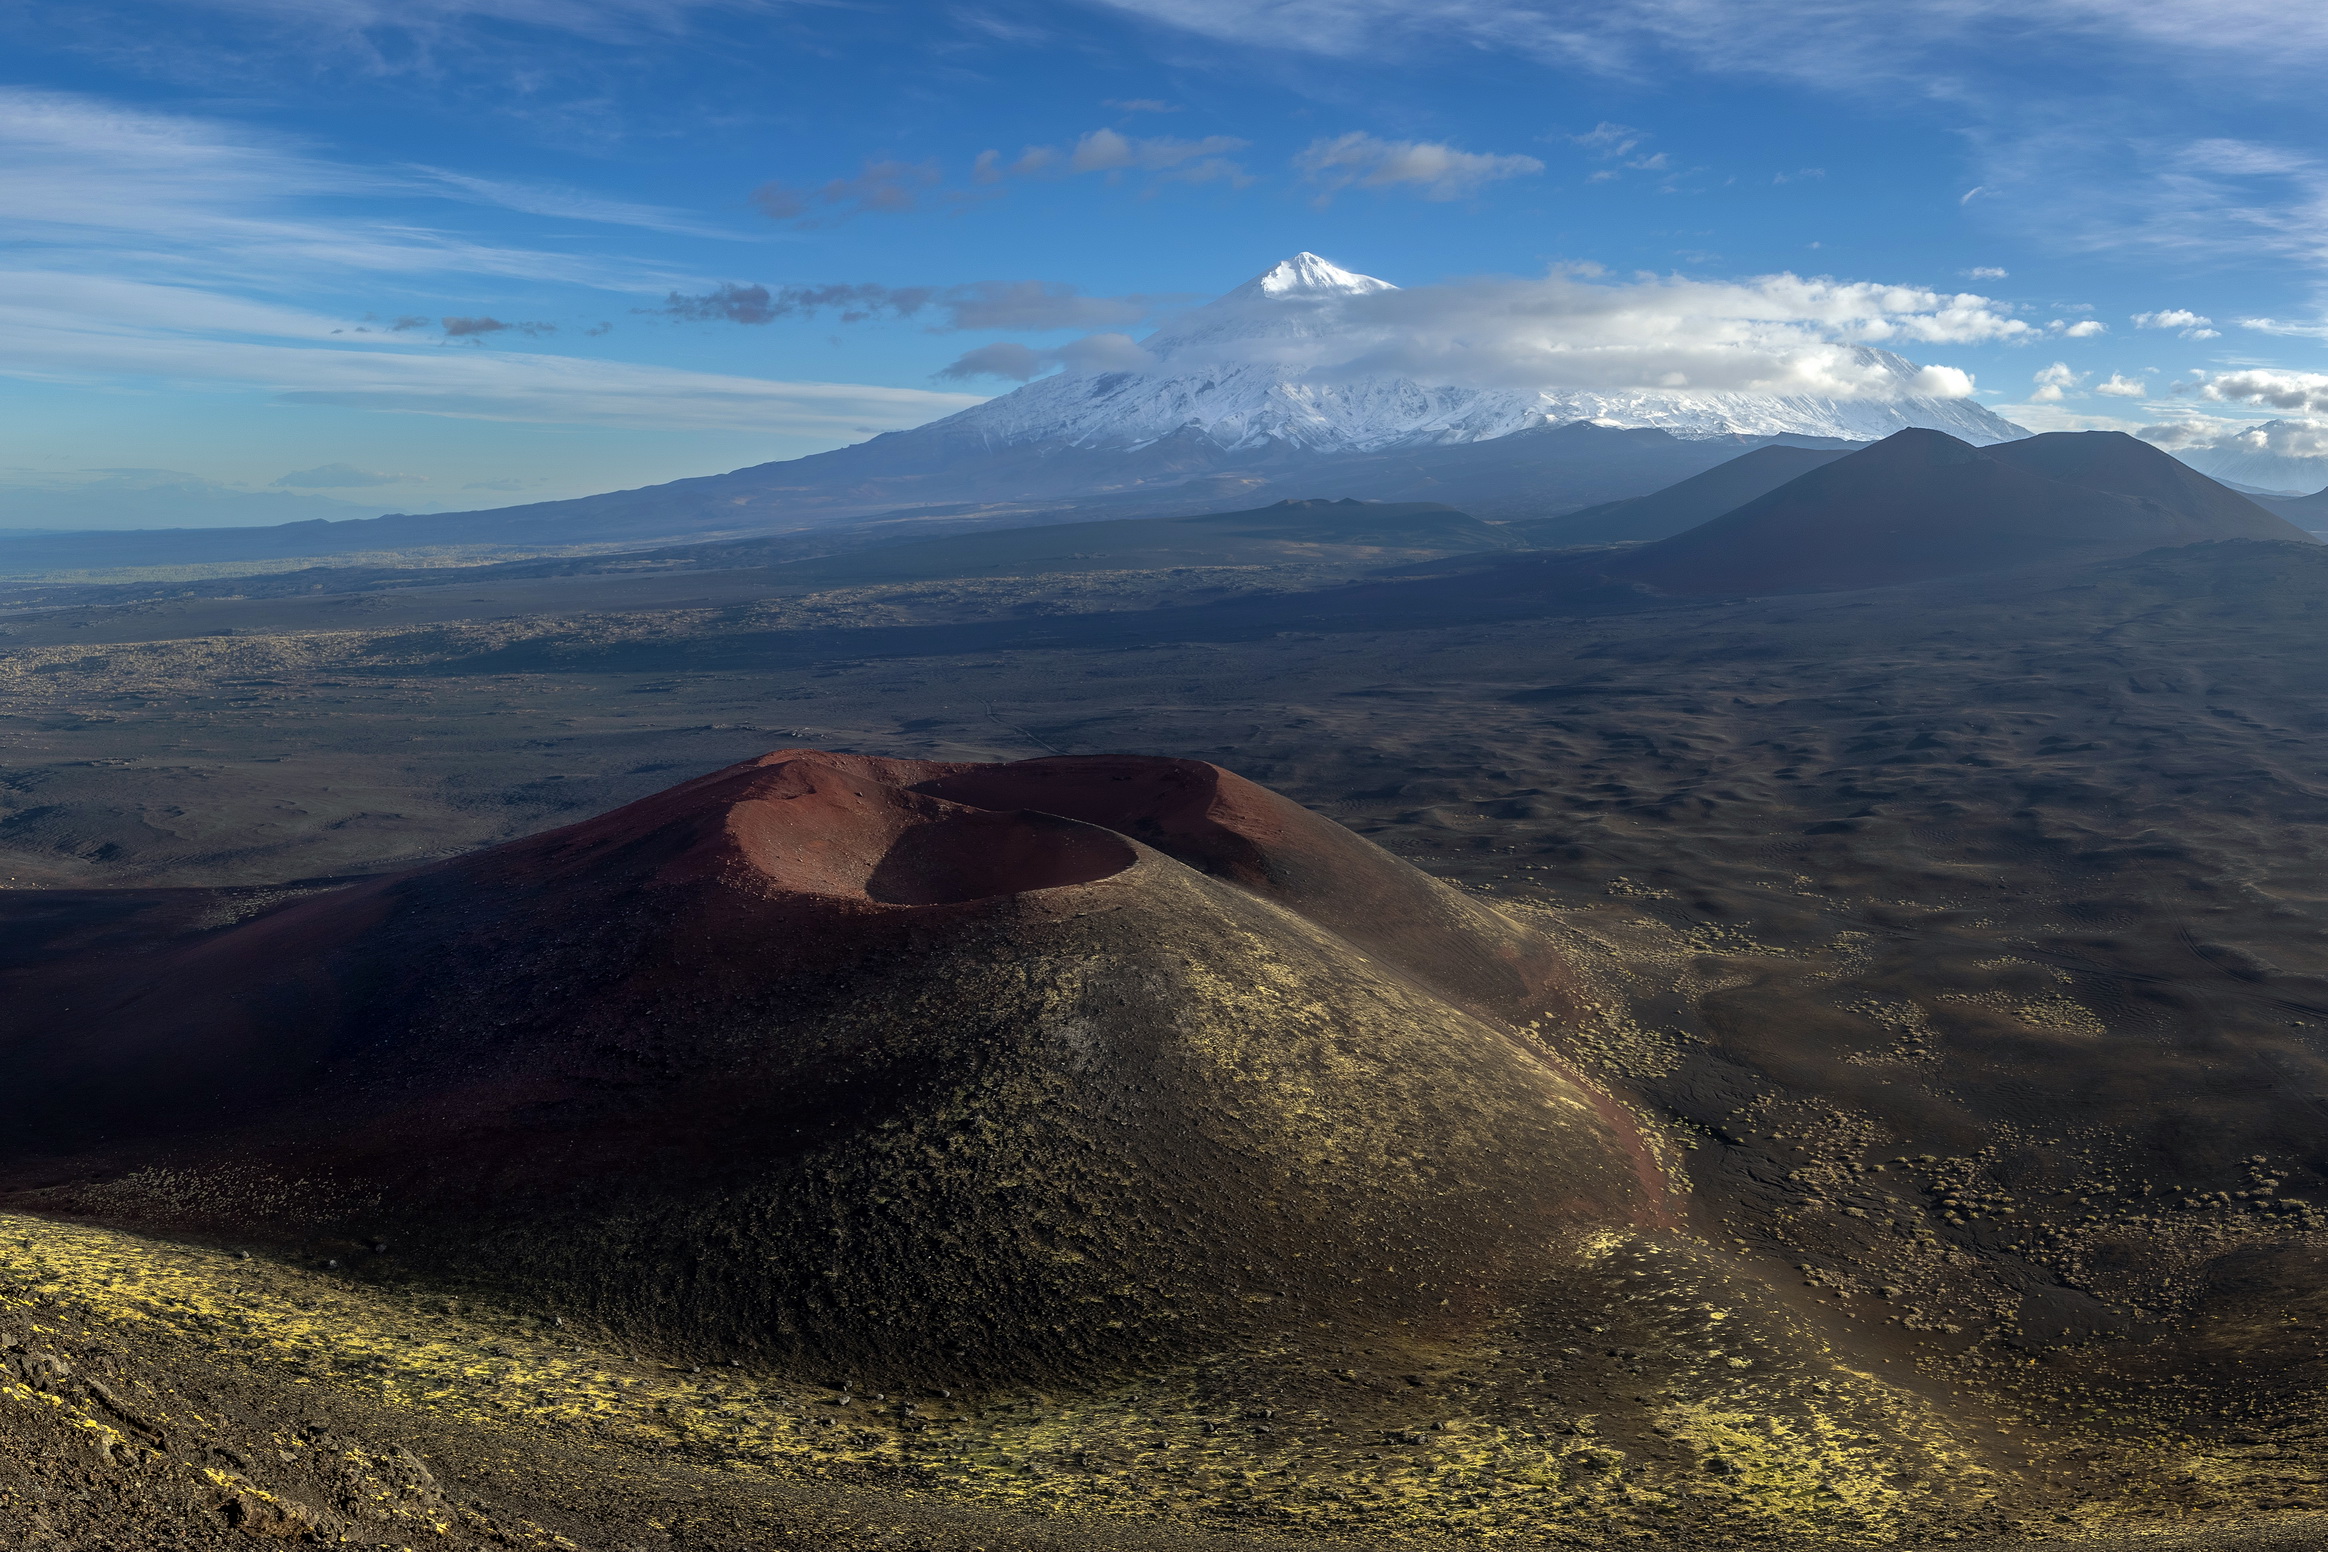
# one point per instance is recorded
(2057, 417)
(1618, 143)
(2192, 326)
(1986, 272)
(2108, 181)
(889, 186)
(2284, 454)
(2082, 164)
(1103, 150)
(1573, 328)
(2118, 386)
(2189, 430)
(1020, 363)
(95, 198)
(570, 204)
(2306, 438)
(351, 23)
(343, 476)
(1824, 41)
(206, 200)
(2304, 391)
(1006, 359)
(2054, 383)
(93, 330)
(1435, 170)
(2085, 328)
(2318, 331)
(984, 304)
(1203, 160)
(1607, 139)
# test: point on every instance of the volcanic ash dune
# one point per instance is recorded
(973, 1070)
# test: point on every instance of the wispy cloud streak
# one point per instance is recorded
(97, 200)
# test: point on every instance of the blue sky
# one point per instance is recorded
(270, 259)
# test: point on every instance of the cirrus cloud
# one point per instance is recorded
(1021, 363)
(1829, 42)
(1202, 160)
(1433, 169)
(985, 304)
(342, 476)
(68, 329)
(888, 186)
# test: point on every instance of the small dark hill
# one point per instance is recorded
(1678, 508)
(2309, 513)
(2127, 466)
(1921, 504)
(895, 1067)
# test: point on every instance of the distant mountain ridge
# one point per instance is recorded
(1529, 474)
(1921, 504)
(2306, 512)
(1679, 508)
(2248, 457)
(1225, 415)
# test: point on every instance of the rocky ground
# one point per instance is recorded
(1963, 942)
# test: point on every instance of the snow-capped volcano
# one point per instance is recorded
(1282, 361)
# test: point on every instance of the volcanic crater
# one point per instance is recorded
(906, 1069)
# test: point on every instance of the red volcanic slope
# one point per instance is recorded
(1139, 1003)
(831, 852)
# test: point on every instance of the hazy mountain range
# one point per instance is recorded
(1251, 398)
(1254, 396)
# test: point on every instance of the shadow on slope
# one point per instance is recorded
(1921, 504)
(1678, 508)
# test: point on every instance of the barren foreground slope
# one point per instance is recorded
(1957, 947)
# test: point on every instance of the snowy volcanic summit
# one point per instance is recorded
(1257, 368)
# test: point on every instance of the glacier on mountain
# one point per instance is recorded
(1237, 371)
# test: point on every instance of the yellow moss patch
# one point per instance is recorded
(1419, 1460)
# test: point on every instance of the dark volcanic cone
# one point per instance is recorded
(901, 1067)
(1921, 504)
(1678, 508)
(2309, 513)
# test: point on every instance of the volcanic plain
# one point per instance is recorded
(1932, 981)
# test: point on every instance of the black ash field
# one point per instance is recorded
(1954, 951)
